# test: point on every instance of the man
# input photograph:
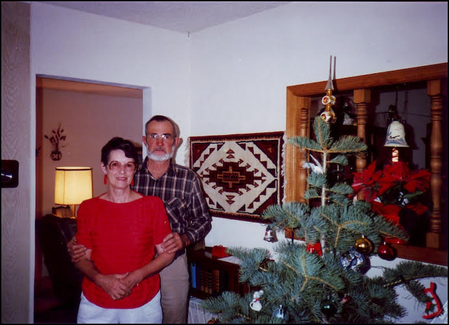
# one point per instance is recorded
(180, 189)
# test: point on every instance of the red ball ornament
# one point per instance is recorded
(386, 252)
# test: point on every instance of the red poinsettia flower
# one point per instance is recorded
(365, 178)
(398, 171)
(418, 208)
(419, 180)
(390, 211)
(392, 188)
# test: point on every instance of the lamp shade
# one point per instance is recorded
(395, 135)
(73, 185)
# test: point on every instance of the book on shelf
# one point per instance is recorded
(193, 275)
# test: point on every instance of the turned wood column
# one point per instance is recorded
(362, 97)
(297, 125)
(434, 90)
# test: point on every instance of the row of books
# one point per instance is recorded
(207, 280)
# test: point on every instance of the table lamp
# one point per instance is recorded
(73, 185)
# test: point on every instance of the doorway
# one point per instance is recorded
(83, 116)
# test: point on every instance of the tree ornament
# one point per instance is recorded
(314, 248)
(255, 304)
(430, 311)
(328, 307)
(386, 252)
(364, 245)
(280, 313)
(328, 115)
(346, 298)
(270, 235)
(355, 261)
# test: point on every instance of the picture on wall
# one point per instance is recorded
(242, 174)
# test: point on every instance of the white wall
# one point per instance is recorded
(232, 78)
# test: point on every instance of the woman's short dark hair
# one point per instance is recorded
(117, 143)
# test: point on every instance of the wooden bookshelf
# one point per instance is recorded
(210, 276)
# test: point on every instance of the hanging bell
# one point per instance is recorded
(395, 135)
(280, 313)
(270, 235)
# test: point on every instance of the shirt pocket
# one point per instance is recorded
(177, 210)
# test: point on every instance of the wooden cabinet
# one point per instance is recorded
(210, 276)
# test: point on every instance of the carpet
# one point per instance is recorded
(242, 174)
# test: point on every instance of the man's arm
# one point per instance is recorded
(76, 251)
(199, 224)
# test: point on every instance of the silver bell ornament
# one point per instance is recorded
(280, 312)
(270, 235)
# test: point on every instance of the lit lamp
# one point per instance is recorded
(73, 185)
(395, 135)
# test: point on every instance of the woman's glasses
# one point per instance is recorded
(116, 166)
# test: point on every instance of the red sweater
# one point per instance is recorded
(122, 237)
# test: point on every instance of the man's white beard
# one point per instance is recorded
(166, 156)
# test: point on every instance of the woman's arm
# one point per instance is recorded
(162, 259)
(110, 283)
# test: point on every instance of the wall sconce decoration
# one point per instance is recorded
(55, 139)
(73, 185)
(10, 173)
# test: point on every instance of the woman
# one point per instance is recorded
(121, 229)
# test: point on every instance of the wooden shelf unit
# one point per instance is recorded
(212, 276)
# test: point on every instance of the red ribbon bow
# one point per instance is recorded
(314, 248)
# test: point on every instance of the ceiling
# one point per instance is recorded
(179, 16)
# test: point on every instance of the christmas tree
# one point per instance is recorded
(322, 278)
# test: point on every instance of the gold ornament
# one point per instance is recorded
(328, 115)
(364, 245)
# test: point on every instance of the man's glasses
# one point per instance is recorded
(164, 136)
(116, 166)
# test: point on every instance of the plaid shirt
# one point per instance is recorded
(180, 190)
